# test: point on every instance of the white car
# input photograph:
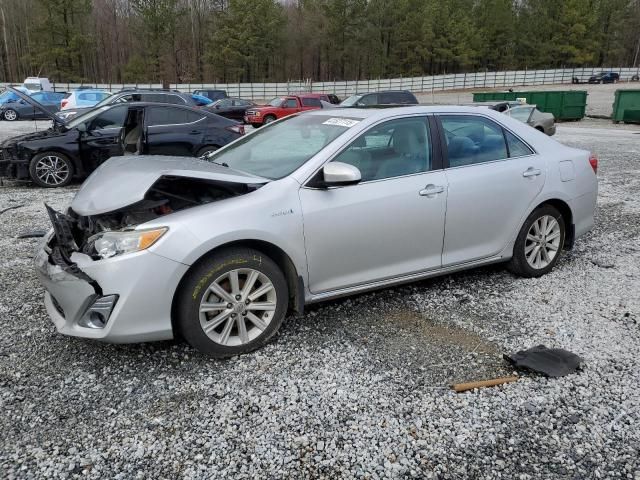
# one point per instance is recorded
(314, 206)
(84, 99)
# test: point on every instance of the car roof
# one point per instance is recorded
(381, 113)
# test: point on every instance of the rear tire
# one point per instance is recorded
(51, 170)
(539, 243)
(232, 302)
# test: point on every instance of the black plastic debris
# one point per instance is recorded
(33, 234)
(552, 362)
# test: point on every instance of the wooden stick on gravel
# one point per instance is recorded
(463, 387)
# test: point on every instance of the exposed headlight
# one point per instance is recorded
(65, 114)
(110, 244)
(257, 114)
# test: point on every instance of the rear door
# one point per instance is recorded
(173, 130)
(494, 178)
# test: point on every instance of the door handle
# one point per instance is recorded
(531, 172)
(431, 190)
(194, 132)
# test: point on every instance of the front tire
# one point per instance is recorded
(269, 119)
(206, 150)
(232, 302)
(51, 170)
(10, 115)
(539, 243)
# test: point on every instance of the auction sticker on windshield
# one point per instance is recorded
(342, 122)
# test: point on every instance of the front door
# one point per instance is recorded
(389, 225)
(103, 137)
(494, 178)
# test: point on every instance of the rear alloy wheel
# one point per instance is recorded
(232, 302)
(269, 119)
(539, 243)
(51, 170)
(10, 115)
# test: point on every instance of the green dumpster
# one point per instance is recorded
(626, 106)
(564, 105)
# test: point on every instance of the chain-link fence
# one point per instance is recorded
(458, 81)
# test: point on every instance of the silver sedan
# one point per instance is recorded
(315, 206)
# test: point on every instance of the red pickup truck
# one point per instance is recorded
(283, 106)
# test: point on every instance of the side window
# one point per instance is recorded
(125, 98)
(311, 102)
(371, 99)
(472, 140)
(290, 103)
(517, 148)
(391, 149)
(157, 116)
(225, 103)
(112, 118)
(392, 98)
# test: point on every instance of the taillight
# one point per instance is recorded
(239, 129)
(593, 161)
(64, 103)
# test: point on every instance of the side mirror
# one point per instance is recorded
(82, 127)
(339, 174)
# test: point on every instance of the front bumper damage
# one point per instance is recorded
(120, 299)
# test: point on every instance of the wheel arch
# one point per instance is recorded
(566, 212)
(295, 282)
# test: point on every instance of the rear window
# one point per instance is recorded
(401, 98)
(157, 116)
(311, 102)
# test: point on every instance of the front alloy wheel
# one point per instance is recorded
(231, 302)
(51, 170)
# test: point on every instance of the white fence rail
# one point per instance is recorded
(479, 80)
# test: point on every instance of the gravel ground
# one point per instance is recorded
(356, 388)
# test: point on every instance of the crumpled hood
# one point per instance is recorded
(123, 181)
(30, 136)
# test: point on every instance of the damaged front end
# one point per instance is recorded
(82, 262)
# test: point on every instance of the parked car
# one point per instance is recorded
(84, 99)
(391, 97)
(605, 77)
(234, 108)
(136, 95)
(529, 114)
(281, 107)
(212, 94)
(23, 110)
(77, 147)
(316, 206)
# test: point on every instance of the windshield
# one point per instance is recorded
(276, 102)
(86, 116)
(351, 101)
(277, 150)
(106, 101)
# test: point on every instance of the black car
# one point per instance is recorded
(51, 158)
(605, 77)
(22, 110)
(212, 94)
(390, 97)
(230, 107)
(150, 95)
